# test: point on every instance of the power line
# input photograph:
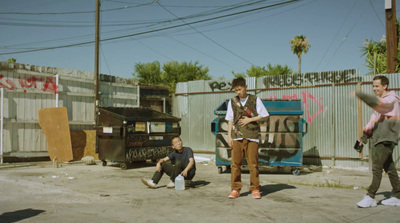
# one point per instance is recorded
(76, 12)
(105, 60)
(154, 30)
(215, 42)
(376, 13)
(337, 32)
(199, 51)
(169, 58)
(128, 23)
(149, 22)
(344, 39)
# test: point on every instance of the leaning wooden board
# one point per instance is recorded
(55, 126)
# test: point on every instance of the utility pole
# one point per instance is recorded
(96, 63)
(391, 35)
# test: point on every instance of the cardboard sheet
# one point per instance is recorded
(55, 126)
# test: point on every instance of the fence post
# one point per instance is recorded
(333, 129)
(1, 123)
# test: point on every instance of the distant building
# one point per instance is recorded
(155, 97)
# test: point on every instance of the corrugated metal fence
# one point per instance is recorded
(334, 118)
(27, 88)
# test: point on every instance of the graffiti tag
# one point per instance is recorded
(297, 80)
(48, 83)
(222, 86)
(305, 97)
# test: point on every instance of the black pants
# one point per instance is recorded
(382, 160)
(172, 171)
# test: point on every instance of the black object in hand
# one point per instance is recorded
(358, 147)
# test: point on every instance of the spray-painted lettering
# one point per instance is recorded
(222, 86)
(10, 85)
(297, 80)
(305, 97)
(280, 140)
(30, 82)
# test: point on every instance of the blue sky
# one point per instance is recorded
(222, 40)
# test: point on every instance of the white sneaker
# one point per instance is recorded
(171, 185)
(367, 202)
(393, 201)
(149, 183)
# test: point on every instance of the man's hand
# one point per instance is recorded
(230, 141)
(244, 121)
(158, 167)
(184, 173)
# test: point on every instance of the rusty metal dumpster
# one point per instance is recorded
(280, 135)
(126, 135)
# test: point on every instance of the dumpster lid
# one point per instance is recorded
(273, 106)
(143, 114)
(283, 106)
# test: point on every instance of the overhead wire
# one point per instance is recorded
(154, 30)
(187, 45)
(158, 22)
(105, 60)
(128, 23)
(337, 33)
(74, 12)
(151, 48)
(344, 39)
(202, 34)
(376, 13)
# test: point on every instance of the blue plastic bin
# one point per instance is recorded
(281, 135)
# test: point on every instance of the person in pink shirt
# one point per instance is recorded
(383, 130)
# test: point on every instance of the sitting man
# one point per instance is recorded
(184, 165)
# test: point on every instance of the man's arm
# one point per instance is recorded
(158, 165)
(246, 120)
(230, 141)
(383, 105)
(188, 167)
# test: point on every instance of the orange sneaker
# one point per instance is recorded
(234, 194)
(256, 194)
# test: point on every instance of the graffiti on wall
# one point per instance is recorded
(307, 99)
(46, 84)
(280, 139)
(220, 85)
(144, 153)
(296, 80)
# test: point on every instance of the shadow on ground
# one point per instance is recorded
(271, 188)
(19, 215)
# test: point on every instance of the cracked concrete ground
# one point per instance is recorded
(75, 192)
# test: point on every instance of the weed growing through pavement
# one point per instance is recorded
(328, 184)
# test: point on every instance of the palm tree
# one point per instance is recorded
(12, 60)
(375, 53)
(299, 46)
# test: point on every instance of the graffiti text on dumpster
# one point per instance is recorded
(297, 80)
(147, 153)
(279, 139)
(48, 83)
